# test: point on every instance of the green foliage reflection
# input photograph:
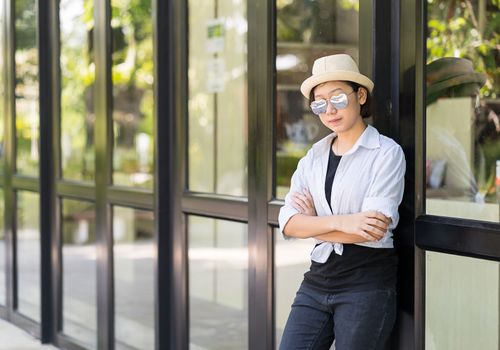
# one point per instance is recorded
(471, 30)
(464, 29)
(77, 79)
(26, 89)
(133, 78)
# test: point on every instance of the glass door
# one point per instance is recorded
(305, 31)
(217, 168)
(461, 231)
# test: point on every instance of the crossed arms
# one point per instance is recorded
(367, 226)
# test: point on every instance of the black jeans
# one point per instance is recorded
(356, 320)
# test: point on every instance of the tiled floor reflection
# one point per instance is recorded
(223, 332)
(218, 284)
(13, 338)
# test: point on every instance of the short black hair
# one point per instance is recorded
(366, 108)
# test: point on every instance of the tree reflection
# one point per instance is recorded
(77, 79)
(469, 29)
(133, 103)
(26, 87)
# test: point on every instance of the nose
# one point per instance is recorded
(330, 108)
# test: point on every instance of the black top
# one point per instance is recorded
(333, 164)
(358, 268)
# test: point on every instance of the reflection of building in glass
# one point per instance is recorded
(456, 128)
(463, 144)
(304, 34)
(218, 101)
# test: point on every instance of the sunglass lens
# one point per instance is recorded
(318, 107)
(339, 101)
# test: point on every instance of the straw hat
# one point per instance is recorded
(334, 67)
(448, 74)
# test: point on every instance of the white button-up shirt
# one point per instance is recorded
(370, 176)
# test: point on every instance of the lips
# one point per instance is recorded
(335, 121)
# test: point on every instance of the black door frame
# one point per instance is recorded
(172, 200)
(51, 187)
(398, 70)
(462, 237)
(378, 20)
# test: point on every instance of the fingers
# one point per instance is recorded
(373, 231)
(300, 199)
(304, 199)
(298, 203)
(373, 214)
(375, 225)
(366, 235)
(371, 225)
(303, 202)
(379, 224)
(370, 234)
(308, 196)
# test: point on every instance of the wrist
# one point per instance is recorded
(336, 223)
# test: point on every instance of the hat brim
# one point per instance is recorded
(315, 80)
(476, 78)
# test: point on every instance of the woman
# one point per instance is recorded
(345, 193)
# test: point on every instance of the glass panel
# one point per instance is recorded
(3, 281)
(133, 249)
(463, 108)
(291, 261)
(79, 272)
(2, 86)
(133, 99)
(461, 303)
(28, 254)
(26, 65)
(218, 284)
(305, 31)
(77, 81)
(218, 96)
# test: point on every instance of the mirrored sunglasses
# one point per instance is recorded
(339, 101)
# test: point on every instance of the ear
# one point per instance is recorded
(362, 95)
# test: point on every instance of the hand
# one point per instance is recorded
(303, 202)
(371, 225)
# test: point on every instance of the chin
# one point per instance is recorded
(337, 129)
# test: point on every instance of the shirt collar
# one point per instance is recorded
(370, 139)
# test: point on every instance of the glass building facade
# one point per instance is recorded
(146, 147)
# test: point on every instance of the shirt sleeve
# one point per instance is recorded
(386, 189)
(298, 184)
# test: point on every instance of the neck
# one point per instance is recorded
(345, 140)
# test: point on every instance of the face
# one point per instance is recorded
(342, 119)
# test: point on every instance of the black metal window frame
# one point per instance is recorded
(12, 182)
(4, 311)
(260, 209)
(171, 200)
(456, 236)
(52, 188)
